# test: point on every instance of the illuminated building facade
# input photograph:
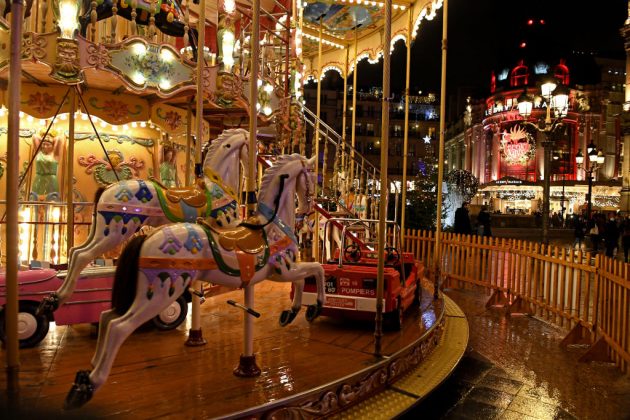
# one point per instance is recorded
(491, 142)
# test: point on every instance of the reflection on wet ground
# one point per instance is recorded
(514, 368)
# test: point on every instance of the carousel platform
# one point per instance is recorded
(326, 368)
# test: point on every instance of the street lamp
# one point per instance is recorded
(556, 157)
(557, 97)
(595, 161)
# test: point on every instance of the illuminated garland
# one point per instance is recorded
(512, 195)
(464, 182)
(568, 195)
(606, 201)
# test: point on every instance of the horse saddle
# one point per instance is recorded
(194, 196)
(183, 204)
(242, 238)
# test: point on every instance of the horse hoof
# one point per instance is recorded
(48, 305)
(81, 391)
(313, 311)
(287, 316)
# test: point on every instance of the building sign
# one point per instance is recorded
(517, 146)
(509, 181)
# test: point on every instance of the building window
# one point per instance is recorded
(370, 129)
(519, 75)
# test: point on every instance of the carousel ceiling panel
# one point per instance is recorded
(339, 19)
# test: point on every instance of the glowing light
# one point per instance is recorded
(228, 50)
(139, 48)
(68, 18)
(143, 124)
(134, 124)
(29, 118)
(138, 78)
(229, 6)
(24, 233)
(268, 88)
(103, 124)
(167, 55)
(165, 84)
(267, 110)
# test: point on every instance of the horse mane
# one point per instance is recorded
(271, 172)
(216, 143)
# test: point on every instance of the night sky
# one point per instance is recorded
(485, 35)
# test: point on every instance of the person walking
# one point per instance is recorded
(484, 222)
(611, 236)
(579, 230)
(462, 220)
(593, 233)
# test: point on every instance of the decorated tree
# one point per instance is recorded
(421, 208)
(462, 186)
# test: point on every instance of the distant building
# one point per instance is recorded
(423, 126)
(507, 158)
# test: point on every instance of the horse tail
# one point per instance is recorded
(126, 277)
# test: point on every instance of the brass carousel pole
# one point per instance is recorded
(382, 211)
(70, 173)
(247, 363)
(195, 336)
(12, 186)
(344, 116)
(316, 148)
(353, 138)
(437, 257)
(406, 133)
(188, 142)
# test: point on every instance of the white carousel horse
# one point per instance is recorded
(155, 270)
(126, 206)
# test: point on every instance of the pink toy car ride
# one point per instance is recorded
(91, 297)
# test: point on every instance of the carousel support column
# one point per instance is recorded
(70, 174)
(195, 336)
(12, 184)
(247, 366)
(344, 118)
(316, 148)
(382, 213)
(353, 137)
(406, 133)
(437, 257)
(188, 142)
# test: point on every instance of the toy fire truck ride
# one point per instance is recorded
(351, 277)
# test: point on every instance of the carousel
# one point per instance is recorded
(158, 159)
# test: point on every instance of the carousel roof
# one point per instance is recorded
(343, 20)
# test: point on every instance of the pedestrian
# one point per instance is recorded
(579, 230)
(593, 233)
(462, 220)
(484, 222)
(611, 236)
(625, 238)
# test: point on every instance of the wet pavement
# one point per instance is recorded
(514, 368)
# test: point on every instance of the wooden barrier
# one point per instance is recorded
(587, 295)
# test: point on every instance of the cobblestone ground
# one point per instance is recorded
(514, 368)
